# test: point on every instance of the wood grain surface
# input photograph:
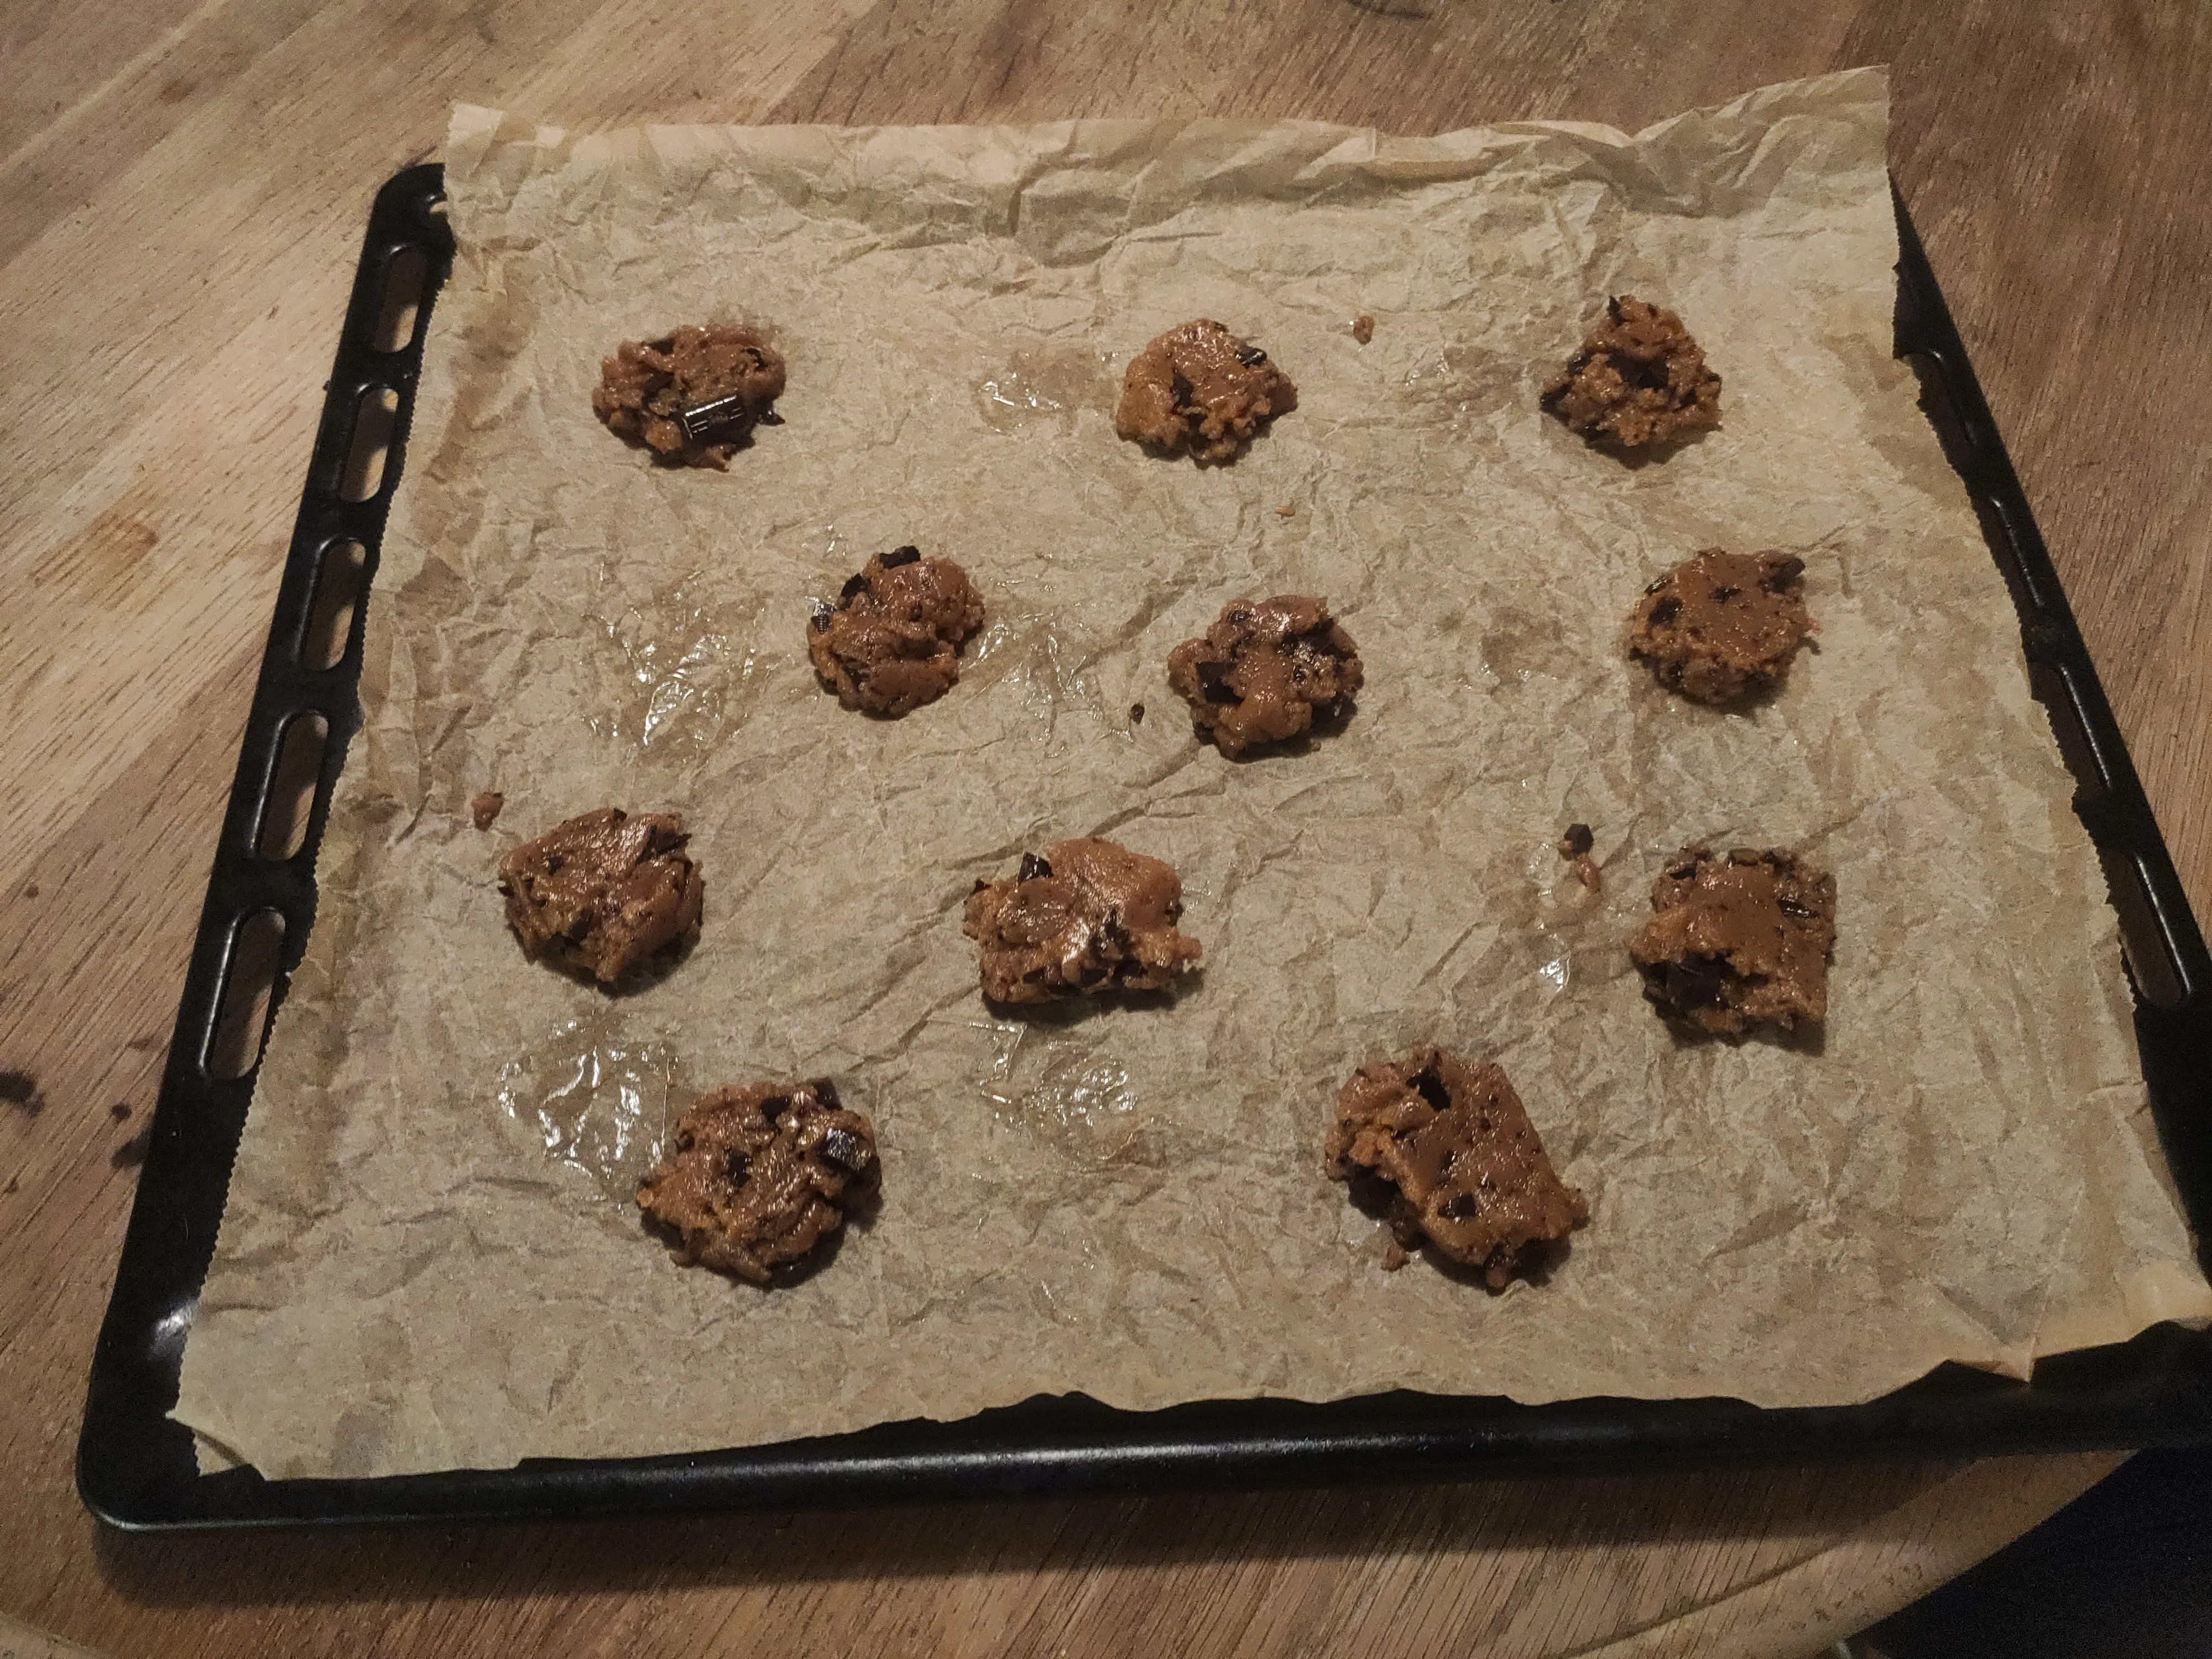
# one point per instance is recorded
(182, 191)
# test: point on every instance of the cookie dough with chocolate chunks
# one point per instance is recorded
(1720, 626)
(1466, 1168)
(693, 396)
(1089, 916)
(1738, 940)
(1199, 388)
(604, 891)
(892, 640)
(757, 1177)
(1265, 670)
(1639, 379)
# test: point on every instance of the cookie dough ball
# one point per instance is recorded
(1199, 388)
(603, 892)
(692, 396)
(892, 640)
(1721, 626)
(1738, 941)
(758, 1176)
(1089, 916)
(1466, 1168)
(1639, 379)
(1265, 670)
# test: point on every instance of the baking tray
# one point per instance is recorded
(135, 1468)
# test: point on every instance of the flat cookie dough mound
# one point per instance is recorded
(1088, 917)
(1738, 941)
(692, 396)
(892, 640)
(1199, 388)
(1466, 1167)
(1720, 626)
(1639, 379)
(603, 892)
(757, 1177)
(1267, 671)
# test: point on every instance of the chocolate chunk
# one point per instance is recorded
(1639, 379)
(1199, 389)
(1466, 1168)
(1032, 868)
(1739, 940)
(1136, 713)
(485, 808)
(604, 891)
(1720, 626)
(693, 396)
(755, 1177)
(1577, 841)
(1265, 672)
(1093, 917)
(892, 640)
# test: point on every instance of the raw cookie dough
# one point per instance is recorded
(724, 375)
(1719, 626)
(892, 640)
(603, 891)
(1639, 379)
(485, 808)
(755, 1177)
(1738, 940)
(1467, 1167)
(1199, 388)
(1265, 670)
(1089, 916)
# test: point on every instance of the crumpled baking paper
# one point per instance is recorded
(431, 1259)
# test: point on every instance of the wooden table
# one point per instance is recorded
(182, 199)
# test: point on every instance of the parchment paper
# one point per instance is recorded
(429, 1259)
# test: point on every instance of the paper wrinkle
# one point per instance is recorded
(1127, 1200)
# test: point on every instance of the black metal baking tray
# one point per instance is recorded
(135, 1468)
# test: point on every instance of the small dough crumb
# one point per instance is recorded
(1467, 1167)
(1587, 873)
(485, 808)
(892, 640)
(1363, 328)
(1200, 389)
(1738, 940)
(1265, 670)
(1639, 379)
(1287, 510)
(1720, 626)
(755, 1177)
(1089, 916)
(724, 375)
(603, 892)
